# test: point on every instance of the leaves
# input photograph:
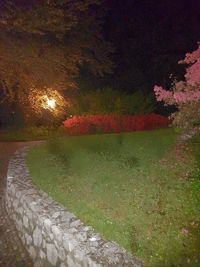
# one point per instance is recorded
(185, 94)
(45, 43)
(78, 125)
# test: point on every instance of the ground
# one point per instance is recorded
(137, 189)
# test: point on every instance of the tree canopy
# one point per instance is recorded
(45, 43)
(185, 94)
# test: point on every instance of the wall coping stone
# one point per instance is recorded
(52, 235)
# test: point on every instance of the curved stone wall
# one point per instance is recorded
(52, 235)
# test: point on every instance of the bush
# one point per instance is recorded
(109, 101)
(91, 124)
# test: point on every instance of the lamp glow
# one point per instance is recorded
(51, 103)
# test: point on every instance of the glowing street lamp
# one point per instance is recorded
(51, 103)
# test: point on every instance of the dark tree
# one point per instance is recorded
(45, 43)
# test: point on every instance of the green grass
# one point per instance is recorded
(139, 193)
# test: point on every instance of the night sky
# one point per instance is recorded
(149, 37)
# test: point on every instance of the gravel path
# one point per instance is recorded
(12, 251)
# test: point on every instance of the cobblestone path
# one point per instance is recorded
(12, 251)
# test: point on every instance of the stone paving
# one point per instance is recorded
(12, 251)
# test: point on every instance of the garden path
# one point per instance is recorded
(12, 251)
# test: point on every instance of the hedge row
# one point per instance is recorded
(79, 125)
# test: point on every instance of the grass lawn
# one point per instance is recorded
(29, 134)
(138, 190)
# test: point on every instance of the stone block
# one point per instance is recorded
(32, 252)
(42, 254)
(76, 224)
(56, 215)
(16, 203)
(52, 254)
(69, 242)
(70, 262)
(25, 221)
(29, 214)
(28, 239)
(37, 237)
(82, 236)
(57, 233)
(43, 243)
(47, 225)
(62, 254)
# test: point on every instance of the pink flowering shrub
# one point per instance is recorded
(79, 125)
(185, 94)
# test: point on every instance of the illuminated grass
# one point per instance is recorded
(139, 193)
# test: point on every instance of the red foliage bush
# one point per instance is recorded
(79, 125)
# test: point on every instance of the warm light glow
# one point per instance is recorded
(51, 103)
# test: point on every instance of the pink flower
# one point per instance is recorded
(162, 94)
(184, 91)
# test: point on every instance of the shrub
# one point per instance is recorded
(78, 125)
(109, 101)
